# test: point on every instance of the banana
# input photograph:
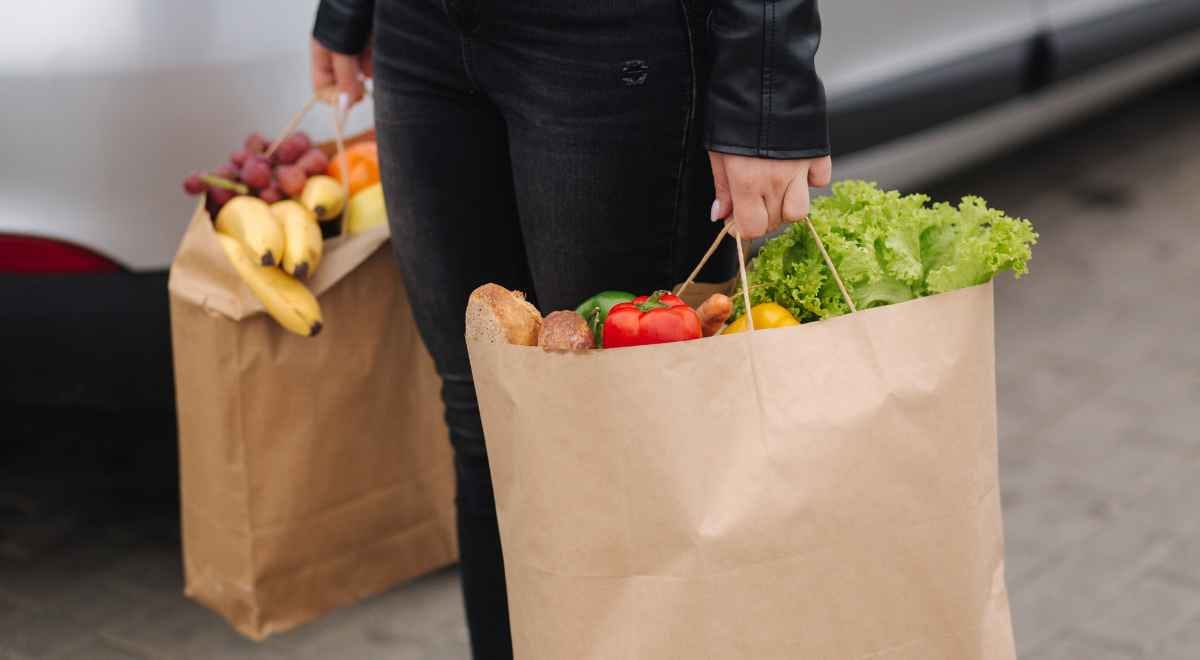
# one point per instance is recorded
(284, 297)
(250, 220)
(365, 210)
(301, 238)
(324, 196)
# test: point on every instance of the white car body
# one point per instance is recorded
(108, 103)
(888, 50)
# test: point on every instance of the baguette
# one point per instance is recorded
(496, 315)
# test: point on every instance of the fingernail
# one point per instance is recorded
(715, 214)
(343, 101)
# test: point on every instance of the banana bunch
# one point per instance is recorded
(275, 246)
(302, 243)
(284, 297)
(324, 196)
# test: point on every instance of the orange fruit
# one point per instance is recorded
(362, 161)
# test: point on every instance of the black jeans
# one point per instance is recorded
(551, 147)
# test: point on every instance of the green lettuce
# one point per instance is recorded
(888, 248)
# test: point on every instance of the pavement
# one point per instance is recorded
(1099, 392)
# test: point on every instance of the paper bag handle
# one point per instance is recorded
(329, 95)
(742, 268)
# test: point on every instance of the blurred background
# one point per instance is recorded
(1081, 115)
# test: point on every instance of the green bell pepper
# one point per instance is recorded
(594, 310)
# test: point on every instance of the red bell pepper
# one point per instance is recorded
(654, 319)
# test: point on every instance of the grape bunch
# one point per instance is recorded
(250, 170)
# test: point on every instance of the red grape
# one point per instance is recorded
(256, 143)
(193, 185)
(314, 162)
(271, 193)
(256, 173)
(218, 196)
(227, 171)
(238, 158)
(291, 179)
(292, 148)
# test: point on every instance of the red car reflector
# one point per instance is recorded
(29, 254)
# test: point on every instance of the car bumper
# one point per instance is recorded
(95, 340)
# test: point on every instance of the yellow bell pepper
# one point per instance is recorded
(766, 315)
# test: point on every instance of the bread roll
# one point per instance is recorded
(564, 331)
(495, 314)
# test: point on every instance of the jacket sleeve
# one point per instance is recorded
(344, 26)
(764, 96)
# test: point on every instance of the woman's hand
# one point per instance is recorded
(343, 72)
(762, 193)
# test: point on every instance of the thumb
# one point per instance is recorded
(723, 204)
(796, 198)
(820, 171)
(366, 62)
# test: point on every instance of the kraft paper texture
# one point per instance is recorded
(823, 491)
(314, 471)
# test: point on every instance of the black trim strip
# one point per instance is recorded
(921, 100)
(1081, 47)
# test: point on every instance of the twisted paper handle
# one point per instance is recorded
(837, 277)
(330, 96)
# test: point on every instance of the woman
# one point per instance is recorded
(559, 148)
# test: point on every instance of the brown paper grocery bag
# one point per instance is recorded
(818, 492)
(314, 471)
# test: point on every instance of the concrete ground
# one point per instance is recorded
(1099, 382)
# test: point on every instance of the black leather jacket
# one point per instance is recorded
(764, 96)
